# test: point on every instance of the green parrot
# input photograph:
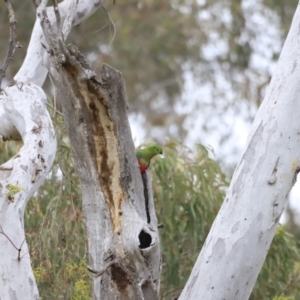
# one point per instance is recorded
(144, 156)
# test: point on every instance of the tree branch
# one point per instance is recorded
(72, 13)
(99, 273)
(13, 45)
(237, 244)
(22, 110)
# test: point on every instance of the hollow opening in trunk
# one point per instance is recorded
(145, 239)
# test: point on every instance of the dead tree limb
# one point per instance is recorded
(95, 114)
(13, 45)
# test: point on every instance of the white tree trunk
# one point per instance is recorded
(240, 237)
(23, 108)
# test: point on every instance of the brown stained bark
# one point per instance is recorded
(123, 246)
(102, 139)
(103, 121)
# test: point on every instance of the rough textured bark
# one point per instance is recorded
(238, 242)
(35, 67)
(124, 248)
(23, 115)
(22, 110)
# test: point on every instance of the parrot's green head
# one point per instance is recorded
(147, 153)
(156, 149)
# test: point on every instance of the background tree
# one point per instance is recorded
(212, 56)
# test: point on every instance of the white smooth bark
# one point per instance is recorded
(240, 237)
(20, 177)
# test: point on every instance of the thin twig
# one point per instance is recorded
(69, 19)
(13, 45)
(23, 255)
(113, 24)
(68, 177)
(1, 231)
(101, 28)
(58, 18)
(55, 110)
(18, 249)
(50, 36)
(99, 273)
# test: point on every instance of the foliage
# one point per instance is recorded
(285, 12)
(284, 298)
(159, 44)
(55, 230)
(280, 275)
(188, 190)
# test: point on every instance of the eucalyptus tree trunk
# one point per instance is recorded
(236, 247)
(22, 111)
(124, 248)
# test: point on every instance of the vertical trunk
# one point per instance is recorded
(22, 111)
(238, 242)
(124, 248)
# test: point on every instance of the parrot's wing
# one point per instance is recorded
(138, 154)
